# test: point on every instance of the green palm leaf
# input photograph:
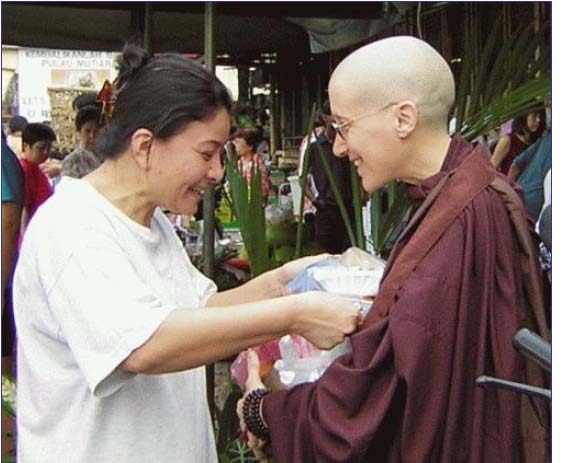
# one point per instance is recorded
(249, 208)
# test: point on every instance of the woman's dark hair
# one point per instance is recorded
(84, 99)
(86, 114)
(520, 126)
(162, 94)
(250, 135)
(17, 124)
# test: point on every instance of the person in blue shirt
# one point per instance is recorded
(529, 170)
(12, 200)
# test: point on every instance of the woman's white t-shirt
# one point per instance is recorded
(91, 285)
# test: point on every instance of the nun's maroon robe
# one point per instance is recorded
(407, 392)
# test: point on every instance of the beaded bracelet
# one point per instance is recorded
(252, 413)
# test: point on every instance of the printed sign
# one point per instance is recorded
(40, 68)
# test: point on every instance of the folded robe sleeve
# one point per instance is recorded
(329, 420)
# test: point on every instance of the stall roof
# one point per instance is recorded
(241, 27)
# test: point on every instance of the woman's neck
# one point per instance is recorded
(125, 191)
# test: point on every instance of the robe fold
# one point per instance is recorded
(453, 296)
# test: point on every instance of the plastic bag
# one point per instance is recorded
(268, 354)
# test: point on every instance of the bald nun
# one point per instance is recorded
(451, 300)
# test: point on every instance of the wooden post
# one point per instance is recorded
(209, 197)
(305, 96)
(243, 84)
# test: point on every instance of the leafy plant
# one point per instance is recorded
(8, 395)
(357, 199)
(231, 449)
(241, 453)
(356, 186)
(9, 406)
(507, 80)
(528, 97)
(248, 203)
(355, 240)
(227, 421)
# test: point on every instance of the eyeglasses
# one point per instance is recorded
(343, 127)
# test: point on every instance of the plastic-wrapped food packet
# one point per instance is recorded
(355, 275)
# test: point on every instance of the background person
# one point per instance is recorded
(83, 160)
(330, 230)
(114, 323)
(529, 170)
(12, 201)
(37, 140)
(526, 129)
(16, 126)
(246, 141)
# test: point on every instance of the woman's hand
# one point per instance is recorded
(325, 319)
(266, 286)
(277, 280)
(291, 269)
(253, 382)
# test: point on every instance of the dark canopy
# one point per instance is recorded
(241, 27)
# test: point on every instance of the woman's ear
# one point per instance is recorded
(141, 143)
(407, 116)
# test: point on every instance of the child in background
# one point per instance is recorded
(37, 140)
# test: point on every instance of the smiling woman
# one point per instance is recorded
(116, 302)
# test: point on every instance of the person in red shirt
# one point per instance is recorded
(37, 140)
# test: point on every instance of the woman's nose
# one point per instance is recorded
(216, 171)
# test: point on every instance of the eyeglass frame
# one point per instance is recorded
(338, 127)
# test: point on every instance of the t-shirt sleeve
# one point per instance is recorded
(104, 310)
(12, 177)
(204, 286)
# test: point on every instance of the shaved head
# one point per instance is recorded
(391, 101)
(395, 69)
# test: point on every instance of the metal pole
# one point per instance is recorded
(272, 116)
(282, 114)
(147, 37)
(209, 196)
